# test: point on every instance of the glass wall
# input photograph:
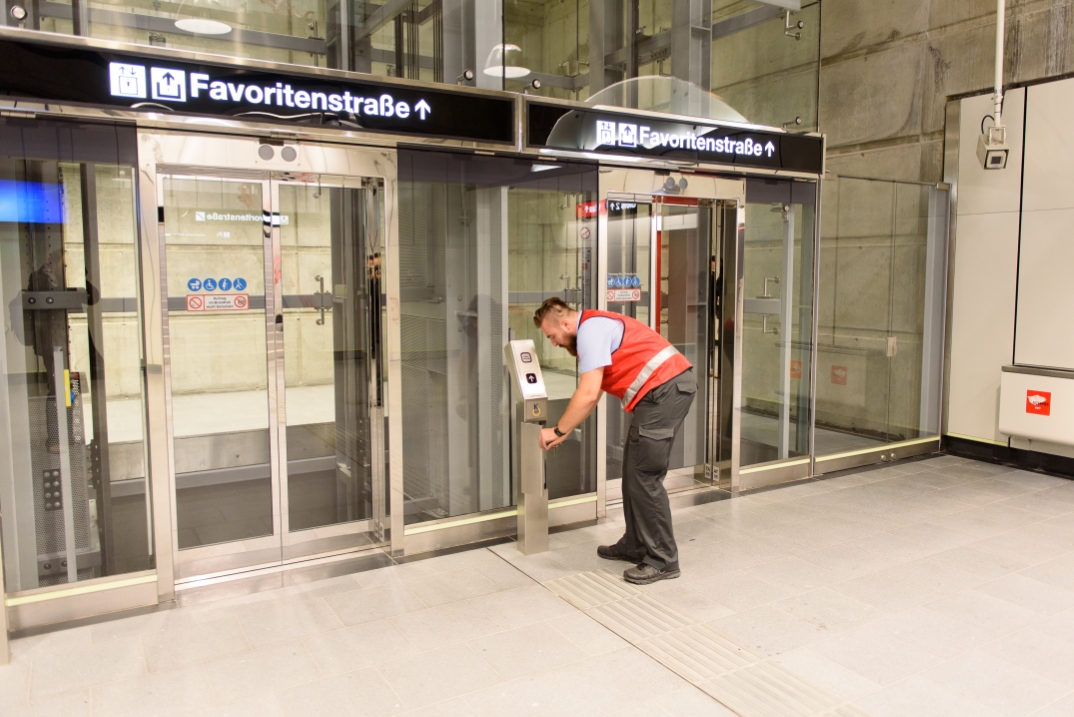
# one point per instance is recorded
(882, 263)
(73, 487)
(483, 241)
(764, 73)
(767, 72)
(777, 284)
(431, 40)
(761, 68)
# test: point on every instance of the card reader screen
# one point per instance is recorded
(526, 357)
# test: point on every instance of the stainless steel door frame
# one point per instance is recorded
(164, 152)
(630, 182)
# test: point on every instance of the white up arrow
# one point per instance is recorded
(423, 108)
(770, 148)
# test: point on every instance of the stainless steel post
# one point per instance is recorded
(532, 407)
(533, 497)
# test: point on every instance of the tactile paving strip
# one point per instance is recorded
(638, 618)
(768, 690)
(588, 590)
(736, 676)
(698, 653)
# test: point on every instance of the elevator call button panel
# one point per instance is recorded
(529, 387)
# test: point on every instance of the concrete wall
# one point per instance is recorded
(887, 67)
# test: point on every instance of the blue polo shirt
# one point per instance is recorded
(597, 339)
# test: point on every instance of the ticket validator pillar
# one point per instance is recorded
(531, 399)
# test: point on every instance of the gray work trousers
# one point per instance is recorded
(657, 417)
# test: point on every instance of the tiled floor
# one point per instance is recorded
(938, 587)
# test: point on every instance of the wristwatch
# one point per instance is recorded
(555, 429)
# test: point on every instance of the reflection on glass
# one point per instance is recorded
(877, 254)
(630, 233)
(74, 494)
(331, 298)
(215, 254)
(777, 324)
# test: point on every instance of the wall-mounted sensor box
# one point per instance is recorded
(521, 357)
(992, 149)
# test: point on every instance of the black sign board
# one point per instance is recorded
(612, 133)
(61, 73)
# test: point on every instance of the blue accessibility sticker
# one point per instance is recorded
(194, 285)
(636, 281)
(225, 284)
(209, 284)
(239, 284)
(611, 282)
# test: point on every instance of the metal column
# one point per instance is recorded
(691, 53)
(786, 332)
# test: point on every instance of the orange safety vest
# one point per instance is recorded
(643, 361)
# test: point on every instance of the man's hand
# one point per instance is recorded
(549, 439)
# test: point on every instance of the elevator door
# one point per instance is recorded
(661, 270)
(272, 284)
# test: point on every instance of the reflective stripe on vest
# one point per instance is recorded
(654, 363)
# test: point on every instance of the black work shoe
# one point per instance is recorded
(610, 552)
(644, 574)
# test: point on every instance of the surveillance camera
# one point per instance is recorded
(992, 149)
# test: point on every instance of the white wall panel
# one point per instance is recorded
(1049, 130)
(1045, 334)
(983, 272)
(980, 191)
(982, 319)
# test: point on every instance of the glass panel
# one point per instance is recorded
(630, 234)
(686, 266)
(72, 411)
(553, 42)
(853, 371)
(777, 325)
(551, 242)
(215, 255)
(880, 311)
(331, 292)
(453, 321)
(460, 294)
(430, 40)
(769, 77)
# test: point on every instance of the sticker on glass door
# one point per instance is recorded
(217, 302)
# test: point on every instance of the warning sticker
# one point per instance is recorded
(1039, 403)
(217, 302)
(839, 375)
(621, 295)
(796, 368)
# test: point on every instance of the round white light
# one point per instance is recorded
(202, 26)
(511, 72)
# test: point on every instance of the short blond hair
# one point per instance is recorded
(555, 306)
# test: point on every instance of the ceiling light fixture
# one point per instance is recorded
(506, 61)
